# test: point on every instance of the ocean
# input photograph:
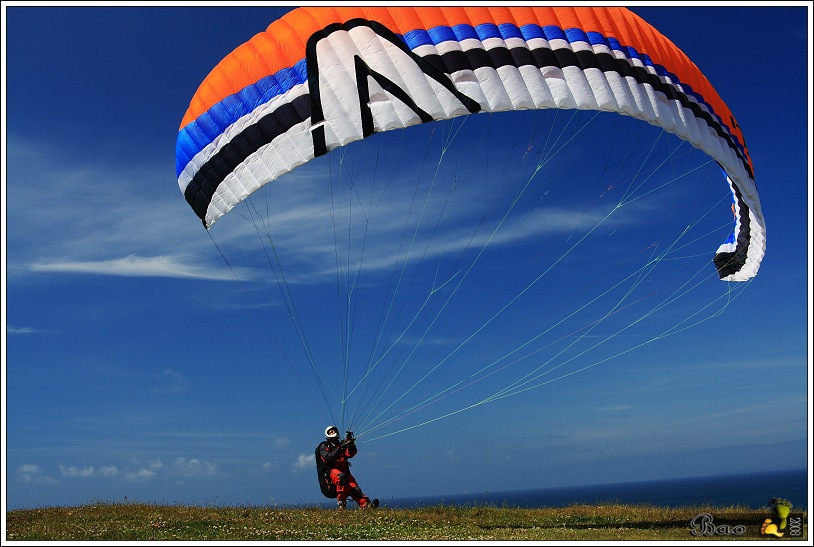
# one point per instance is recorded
(752, 490)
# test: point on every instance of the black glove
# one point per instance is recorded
(346, 444)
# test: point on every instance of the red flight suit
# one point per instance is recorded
(336, 459)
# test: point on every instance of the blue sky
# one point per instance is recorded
(136, 368)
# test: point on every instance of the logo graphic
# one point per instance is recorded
(704, 525)
(399, 81)
(777, 524)
(781, 523)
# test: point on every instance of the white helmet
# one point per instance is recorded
(332, 432)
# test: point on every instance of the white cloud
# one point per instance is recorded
(109, 471)
(281, 442)
(28, 468)
(31, 473)
(304, 461)
(141, 474)
(193, 467)
(76, 472)
(144, 472)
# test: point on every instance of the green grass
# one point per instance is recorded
(137, 521)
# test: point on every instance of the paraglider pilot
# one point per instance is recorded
(333, 469)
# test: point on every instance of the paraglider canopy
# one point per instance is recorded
(323, 77)
(276, 124)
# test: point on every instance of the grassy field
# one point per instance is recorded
(135, 521)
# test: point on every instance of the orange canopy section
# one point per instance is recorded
(282, 44)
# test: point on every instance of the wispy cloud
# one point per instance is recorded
(170, 381)
(22, 330)
(93, 218)
(614, 408)
(89, 216)
(314, 235)
(136, 266)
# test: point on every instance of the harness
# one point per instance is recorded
(324, 474)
